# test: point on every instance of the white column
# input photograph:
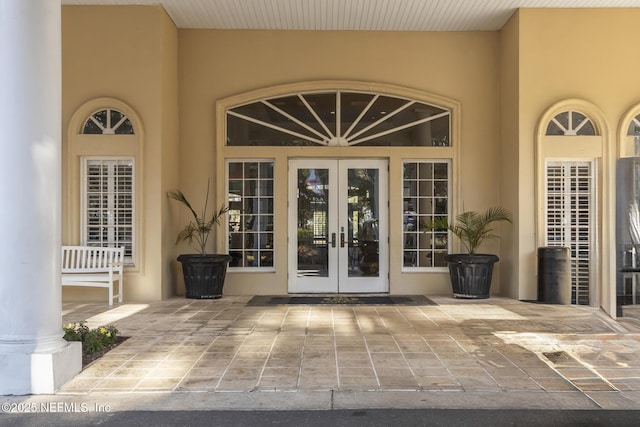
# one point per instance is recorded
(33, 356)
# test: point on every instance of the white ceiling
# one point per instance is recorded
(386, 15)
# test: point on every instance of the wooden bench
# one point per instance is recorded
(93, 266)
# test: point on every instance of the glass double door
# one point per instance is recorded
(338, 226)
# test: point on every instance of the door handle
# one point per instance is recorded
(333, 240)
(342, 239)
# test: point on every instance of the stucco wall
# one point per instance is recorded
(460, 66)
(503, 81)
(128, 54)
(170, 154)
(586, 54)
(509, 156)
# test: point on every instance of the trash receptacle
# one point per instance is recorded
(554, 275)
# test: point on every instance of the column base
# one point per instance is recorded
(39, 373)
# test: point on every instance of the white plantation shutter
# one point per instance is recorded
(570, 199)
(107, 205)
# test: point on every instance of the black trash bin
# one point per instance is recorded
(554, 275)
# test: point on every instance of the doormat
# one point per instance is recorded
(266, 300)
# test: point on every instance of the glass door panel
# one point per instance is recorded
(338, 211)
(363, 213)
(312, 225)
(362, 223)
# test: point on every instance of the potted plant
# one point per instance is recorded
(203, 273)
(471, 272)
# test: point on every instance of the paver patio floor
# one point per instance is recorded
(572, 356)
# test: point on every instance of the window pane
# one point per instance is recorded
(431, 133)
(352, 105)
(296, 107)
(337, 117)
(266, 170)
(108, 204)
(108, 122)
(563, 119)
(587, 129)
(324, 105)
(554, 129)
(441, 171)
(126, 128)
(634, 127)
(250, 195)
(101, 118)
(426, 196)
(241, 132)
(91, 128)
(570, 123)
(410, 171)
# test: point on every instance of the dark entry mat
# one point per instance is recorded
(265, 300)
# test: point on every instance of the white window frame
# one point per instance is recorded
(339, 135)
(109, 128)
(573, 126)
(258, 269)
(569, 228)
(432, 161)
(84, 160)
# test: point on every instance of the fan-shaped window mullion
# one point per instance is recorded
(359, 118)
(581, 125)
(338, 118)
(380, 120)
(120, 122)
(634, 126)
(398, 128)
(97, 123)
(275, 127)
(293, 119)
(316, 116)
(103, 120)
(577, 123)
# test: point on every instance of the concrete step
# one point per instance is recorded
(632, 310)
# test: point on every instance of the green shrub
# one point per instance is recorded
(92, 339)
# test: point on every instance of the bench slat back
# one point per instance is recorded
(87, 259)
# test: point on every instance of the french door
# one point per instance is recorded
(338, 226)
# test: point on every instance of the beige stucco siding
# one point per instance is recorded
(460, 66)
(584, 54)
(509, 155)
(128, 54)
(500, 82)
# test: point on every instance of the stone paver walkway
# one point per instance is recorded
(498, 352)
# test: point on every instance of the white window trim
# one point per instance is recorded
(129, 262)
(337, 137)
(573, 126)
(449, 162)
(110, 128)
(594, 245)
(227, 233)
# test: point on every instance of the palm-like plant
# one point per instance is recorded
(200, 226)
(471, 227)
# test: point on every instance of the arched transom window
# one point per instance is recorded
(108, 121)
(338, 118)
(107, 181)
(570, 123)
(634, 127)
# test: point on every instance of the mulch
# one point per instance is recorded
(88, 358)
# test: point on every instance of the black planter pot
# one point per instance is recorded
(204, 274)
(471, 274)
